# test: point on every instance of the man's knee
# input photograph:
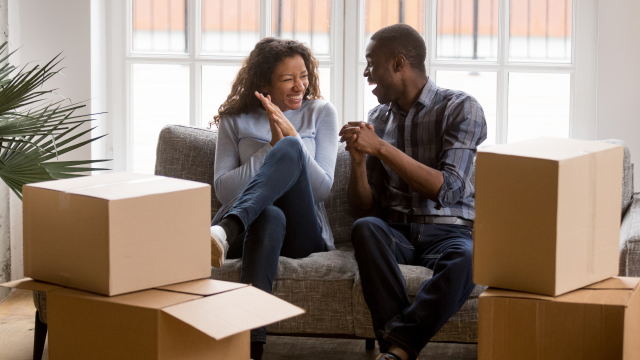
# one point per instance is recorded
(364, 230)
(462, 251)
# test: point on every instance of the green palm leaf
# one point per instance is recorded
(34, 132)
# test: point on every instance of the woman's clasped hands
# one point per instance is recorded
(279, 124)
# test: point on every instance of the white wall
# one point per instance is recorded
(619, 75)
(41, 29)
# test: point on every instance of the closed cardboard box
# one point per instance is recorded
(202, 319)
(547, 215)
(117, 233)
(601, 321)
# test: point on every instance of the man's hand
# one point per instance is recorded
(363, 138)
(349, 132)
(276, 116)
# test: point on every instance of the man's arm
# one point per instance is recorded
(466, 129)
(425, 180)
(358, 190)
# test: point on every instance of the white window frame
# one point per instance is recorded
(346, 67)
(121, 60)
(583, 66)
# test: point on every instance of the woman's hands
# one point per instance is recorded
(279, 124)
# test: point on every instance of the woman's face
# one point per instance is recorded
(288, 83)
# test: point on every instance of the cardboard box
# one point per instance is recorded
(547, 215)
(202, 319)
(601, 321)
(117, 233)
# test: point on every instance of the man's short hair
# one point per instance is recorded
(402, 39)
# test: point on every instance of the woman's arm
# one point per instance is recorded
(321, 167)
(230, 177)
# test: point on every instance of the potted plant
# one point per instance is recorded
(35, 131)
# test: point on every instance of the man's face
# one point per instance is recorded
(379, 71)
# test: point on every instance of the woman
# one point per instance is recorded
(275, 159)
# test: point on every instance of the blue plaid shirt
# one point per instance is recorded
(442, 130)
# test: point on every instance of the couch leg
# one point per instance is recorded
(39, 337)
(371, 344)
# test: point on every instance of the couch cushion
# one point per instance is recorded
(188, 153)
(320, 283)
(337, 206)
(627, 175)
(461, 327)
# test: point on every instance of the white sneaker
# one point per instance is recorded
(219, 246)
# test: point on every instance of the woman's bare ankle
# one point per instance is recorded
(399, 352)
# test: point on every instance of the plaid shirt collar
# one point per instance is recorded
(426, 97)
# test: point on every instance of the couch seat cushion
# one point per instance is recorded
(320, 283)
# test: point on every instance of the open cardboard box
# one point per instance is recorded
(601, 321)
(202, 319)
(117, 233)
(547, 215)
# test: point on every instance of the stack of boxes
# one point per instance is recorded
(546, 242)
(125, 261)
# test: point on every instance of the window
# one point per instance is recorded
(530, 63)
(521, 59)
(182, 56)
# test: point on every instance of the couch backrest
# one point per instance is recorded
(188, 153)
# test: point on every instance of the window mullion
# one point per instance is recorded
(265, 18)
(194, 49)
(352, 92)
(430, 32)
(502, 103)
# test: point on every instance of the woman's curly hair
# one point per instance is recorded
(257, 71)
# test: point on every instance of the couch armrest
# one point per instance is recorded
(630, 240)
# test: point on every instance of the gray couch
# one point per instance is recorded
(327, 285)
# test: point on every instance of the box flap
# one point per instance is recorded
(616, 283)
(614, 291)
(204, 287)
(116, 186)
(29, 284)
(492, 292)
(233, 312)
(549, 148)
(150, 299)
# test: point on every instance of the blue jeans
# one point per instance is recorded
(279, 217)
(445, 249)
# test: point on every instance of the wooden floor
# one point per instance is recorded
(17, 315)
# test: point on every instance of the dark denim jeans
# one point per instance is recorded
(279, 216)
(445, 249)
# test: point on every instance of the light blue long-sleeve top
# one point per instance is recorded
(244, 142)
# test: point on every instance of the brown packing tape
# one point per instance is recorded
(63, 200)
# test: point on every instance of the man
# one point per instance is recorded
(414, 161)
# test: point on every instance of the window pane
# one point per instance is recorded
(216, 86)
(308, 21)
(324, 75)
(467, 29)
(538, 105)
(160, 96)
(159, 26)
(230, 26)
(482, 86)
(381, 13)
(540, 30)
(370, 100)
